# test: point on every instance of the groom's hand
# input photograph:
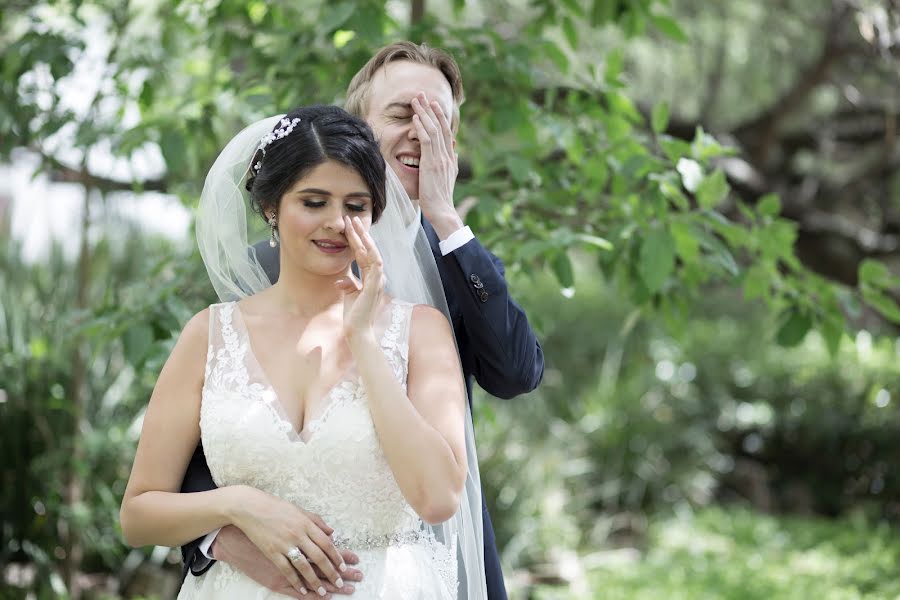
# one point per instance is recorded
(233, 547)
(438, 166)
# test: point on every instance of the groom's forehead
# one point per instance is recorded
(397, 83)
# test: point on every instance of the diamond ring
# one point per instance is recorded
(294, 554)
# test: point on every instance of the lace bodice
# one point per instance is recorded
(334, 467)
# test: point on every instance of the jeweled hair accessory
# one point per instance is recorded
(285, 127)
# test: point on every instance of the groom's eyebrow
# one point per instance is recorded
(400, 105)
(319, 192)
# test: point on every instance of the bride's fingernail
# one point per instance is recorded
(303, 591)
(342, 567)
(321, 591)
(339, 582)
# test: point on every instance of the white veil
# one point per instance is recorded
(410, 272)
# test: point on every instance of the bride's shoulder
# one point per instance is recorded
(428, 322)
(196, 330)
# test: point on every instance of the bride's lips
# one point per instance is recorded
(330, 246)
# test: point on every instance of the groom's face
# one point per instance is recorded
(390, 114)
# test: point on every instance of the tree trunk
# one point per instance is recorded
(74, 491)
(417, 12)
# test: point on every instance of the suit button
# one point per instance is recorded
(474, 278)
(483, 296)
(479, 285)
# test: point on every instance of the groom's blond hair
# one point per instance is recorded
(357, 102)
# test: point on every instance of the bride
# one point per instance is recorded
(332, 411)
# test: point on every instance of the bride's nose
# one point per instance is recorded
(335, 221)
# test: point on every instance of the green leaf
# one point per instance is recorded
(657, 259)
(769, 206)
(562, 268)
(593, 240)
(705, 146)
(795, 325)
(674, 194)
(624, 106)
(777, 240)
(668, 27)
(881, 302)
(519, 167)
(342, 37)
(137, 341)
(712, 190)
(675, 311)
(602, 12)
(615, 64)
(674, 148)
(718, 253)
(756, 282)
(571, 32)
(257, 11)
(686, 243)
(558, 56)
(659, 119)
(875, 273)
(532, 248)
(574, 7)
(173, 149)
(832, 332)
(38, 348)
(335, 15)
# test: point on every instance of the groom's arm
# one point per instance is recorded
(506, 356)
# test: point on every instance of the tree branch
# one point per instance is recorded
(760, 133)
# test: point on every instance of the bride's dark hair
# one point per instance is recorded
(323, 133)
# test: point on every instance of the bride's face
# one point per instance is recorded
(311, 218)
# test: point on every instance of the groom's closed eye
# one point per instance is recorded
(399, 110)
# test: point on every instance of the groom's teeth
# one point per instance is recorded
(409, 161)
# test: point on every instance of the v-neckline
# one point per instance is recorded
(278, 404)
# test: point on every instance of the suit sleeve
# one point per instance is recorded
(197, 478)
(508, 359)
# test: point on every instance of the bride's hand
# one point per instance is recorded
(235, 548)
(361, 299)
(275, 526)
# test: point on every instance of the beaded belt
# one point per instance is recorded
(365, 542)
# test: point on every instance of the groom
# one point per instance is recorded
(410, 95)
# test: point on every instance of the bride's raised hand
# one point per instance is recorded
(361, 299)
(278, 527)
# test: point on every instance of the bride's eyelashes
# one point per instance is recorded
(320, 203)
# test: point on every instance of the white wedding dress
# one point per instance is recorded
(334, 467)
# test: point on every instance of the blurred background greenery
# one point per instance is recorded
(699, 207)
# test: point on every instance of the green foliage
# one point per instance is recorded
(570, 158)
(632, 420)
(740, 555)
(47, 441)
(653, 393)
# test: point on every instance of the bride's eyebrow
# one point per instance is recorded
(319, 192)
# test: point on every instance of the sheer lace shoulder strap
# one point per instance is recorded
(395, 340)
(221, 332)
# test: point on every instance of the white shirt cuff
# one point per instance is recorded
(455, 240)
(207, 543)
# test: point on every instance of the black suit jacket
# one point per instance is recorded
(497, 349)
